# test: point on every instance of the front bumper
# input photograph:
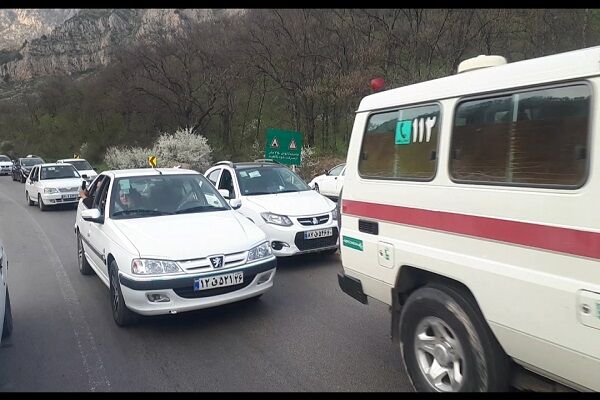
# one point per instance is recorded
(5, 170)
(293, 237)
(181, 294)
(59, 198)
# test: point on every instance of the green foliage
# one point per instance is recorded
(231, 79)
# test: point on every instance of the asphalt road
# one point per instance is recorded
(305, 334)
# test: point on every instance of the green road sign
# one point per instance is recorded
(283, 146)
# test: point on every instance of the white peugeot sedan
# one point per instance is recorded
(165, 241)
(52, 184)
(6, 165)
(330, 184)
(84, 168)
(6, 322)
(295, 218)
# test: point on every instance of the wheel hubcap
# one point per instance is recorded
(440, 355)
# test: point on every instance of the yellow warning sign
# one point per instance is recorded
(152, 161)
(75, 155)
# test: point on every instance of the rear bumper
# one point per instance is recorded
(352, 287)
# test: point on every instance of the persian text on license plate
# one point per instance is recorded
(211, 282)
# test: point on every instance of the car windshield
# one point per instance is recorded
(29, 162)
(148, 196)
(59, 172)
(4, 158)
(268, 180)
(80, 165)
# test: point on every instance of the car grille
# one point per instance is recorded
(318, 220)
(188, 292)
(203, 264)
(70, 189)
(311, 244)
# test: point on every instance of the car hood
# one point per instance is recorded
(62, 183)
(191, 236)
(307, 202)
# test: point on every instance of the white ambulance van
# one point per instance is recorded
(471, 207)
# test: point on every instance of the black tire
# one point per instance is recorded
(483, 364)
(122, 315)
(28, 199)
(8, 320)
(43, 207)
(23, 179)
(84, 266)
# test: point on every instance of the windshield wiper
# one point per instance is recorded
(140, 211)
(200, 209)
(252, 194)
(289, 191)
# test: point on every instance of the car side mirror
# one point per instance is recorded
(326, 172)
(224, 193)
(83, 185)
(92, 215)
(84, 176)
(235, 203)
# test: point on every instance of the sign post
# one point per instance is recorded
(284, 146)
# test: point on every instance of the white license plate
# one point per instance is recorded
(69, 196)
(216, 281)
(318, 234)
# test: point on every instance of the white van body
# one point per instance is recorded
(528, 254)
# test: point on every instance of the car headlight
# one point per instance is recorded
(50, 190)
(334, 214)
(261, 251)
(154, 267)
(276, 219)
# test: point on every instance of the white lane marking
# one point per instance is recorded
(90, 356)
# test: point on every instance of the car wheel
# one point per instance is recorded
(447, 346)
(43, 207)
(121, 314)
(28, 199)
(8, 321)
(23, 179)
(84, 266)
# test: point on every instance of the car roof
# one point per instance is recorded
(30, 158)
(125, 173)
(52, 165)
(71, 159)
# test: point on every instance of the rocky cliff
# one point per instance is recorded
(89, 38)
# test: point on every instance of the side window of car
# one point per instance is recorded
(226, 182)
(33, 174)
(335, 171)
(214, 176)
(92, 191)
(100, 198)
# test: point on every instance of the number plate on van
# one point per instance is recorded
(318, 233)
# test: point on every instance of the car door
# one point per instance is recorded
(340, 182)
(329, 182)
(96, 234)
(84, 226)
(30, 187)
(213, 176)
(3, 268)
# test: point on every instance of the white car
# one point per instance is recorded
(6, 165)
(331, 182)
(6, 322)
(295, 218)
(84, 168)
(165, 241)
(52, 184)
